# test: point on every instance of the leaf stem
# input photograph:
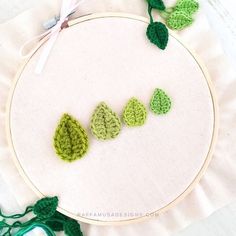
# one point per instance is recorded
(150, 13)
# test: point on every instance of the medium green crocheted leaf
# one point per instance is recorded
(70, 139)
(135, 113)
(105, 124)
(158, 34)
(45, 207)
(188, 6)
(157, 4)
(178, 20)
(160, 102)
(72, 228)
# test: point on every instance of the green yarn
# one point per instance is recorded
(157, 4)
(70, 139)
(46, 207)
(158, 34)
(188, 6)
(105, 124)
(134, 113)
(28, 229)
(178, 20)
(160, 102)
(46, 217)
(72, 228)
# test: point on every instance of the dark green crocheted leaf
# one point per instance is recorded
(135, 113)
(157, 4)
(72, 228)
(188, 6)
(160, 102)
(70, 139)
(158, 34)
(55, 225)
(105, 124)
(179, 20)
(45, 207)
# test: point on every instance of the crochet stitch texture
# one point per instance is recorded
(178, 20)
(105, 124)
(134, 113)
(70, 140)
(160, 102)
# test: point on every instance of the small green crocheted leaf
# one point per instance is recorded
(105, 124)
(188, 6)
(45, 207)
(160, 102)
(70, 139)
(57, 225)
(157, 4)
(158, 34)
(135, 113)
(179, 20)
(72, 228)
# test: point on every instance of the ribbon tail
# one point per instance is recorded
(46, 51)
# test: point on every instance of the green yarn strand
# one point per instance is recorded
(28, 229)
(134, 113)
(70, 139)
(16, 216)
(179, 20)
(158, 34)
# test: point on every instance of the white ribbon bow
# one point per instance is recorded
(68, 7)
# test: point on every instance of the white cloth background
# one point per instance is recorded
(217, 187)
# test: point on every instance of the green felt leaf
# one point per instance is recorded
(157, 4)
(45, 207)
(72, 228)
(160, 102)
(188, 6)
(179, 20)
(54, 224)
(105, 124)
(70, 139)
(158, 34)
(134, 113)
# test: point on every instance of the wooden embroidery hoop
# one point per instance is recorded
(183, 194)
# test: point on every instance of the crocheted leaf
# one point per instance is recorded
(135, 113)
(160, 102)
(188, 6)
(70, 139)
(157, 4)
(72, 228)
(56, 225)
(178, 20)
(158, 34)
(105, 124)
(45, 207)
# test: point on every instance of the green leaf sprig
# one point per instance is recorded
(45, 217)
(177, 17)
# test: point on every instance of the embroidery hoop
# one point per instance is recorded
(172, 203)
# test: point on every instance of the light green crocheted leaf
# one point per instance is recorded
(70, 139)
(157, 4)
(105, 124)
(135, 113)
(188, 6)
(160, 102)
(178, 20)
(158, 34)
